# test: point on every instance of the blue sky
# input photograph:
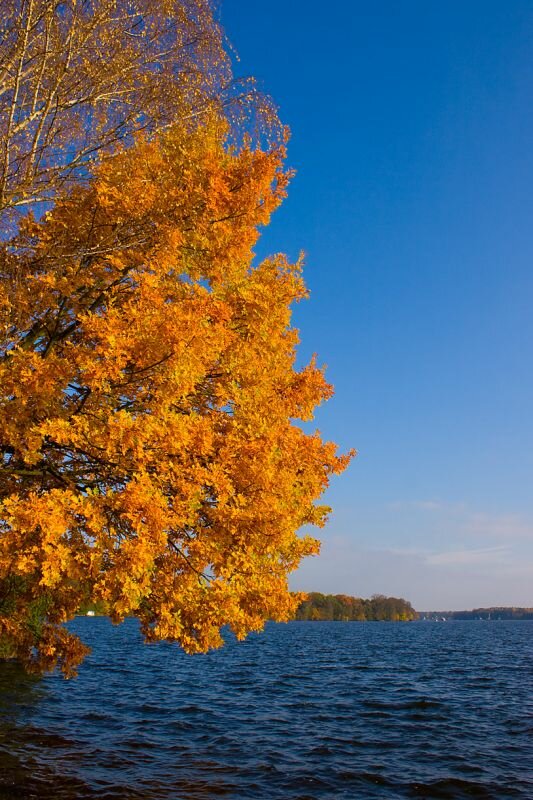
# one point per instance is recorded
(411, 129)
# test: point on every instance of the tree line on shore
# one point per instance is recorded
(344, 608)
(318, 606)
(341, 607)
(495, 612)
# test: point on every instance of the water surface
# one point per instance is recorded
(303, 711)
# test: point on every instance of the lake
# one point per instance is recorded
(302, 711)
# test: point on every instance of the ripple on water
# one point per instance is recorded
(302, 712)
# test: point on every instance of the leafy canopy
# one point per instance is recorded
(150, 453)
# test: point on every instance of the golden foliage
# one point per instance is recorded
(150, 456)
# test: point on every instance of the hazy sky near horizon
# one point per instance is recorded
(411, 136)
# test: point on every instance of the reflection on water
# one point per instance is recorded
(304, 711)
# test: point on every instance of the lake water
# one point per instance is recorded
(302, 711)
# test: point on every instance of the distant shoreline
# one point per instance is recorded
(319, 607)
(345, 608)
(493, 613)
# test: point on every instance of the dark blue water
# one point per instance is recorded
(303, 711)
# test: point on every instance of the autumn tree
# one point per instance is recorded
(151, 456)
(149, 396)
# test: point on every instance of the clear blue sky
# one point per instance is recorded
(412, 131)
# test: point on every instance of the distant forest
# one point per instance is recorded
(345, 609)
(481, 613)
